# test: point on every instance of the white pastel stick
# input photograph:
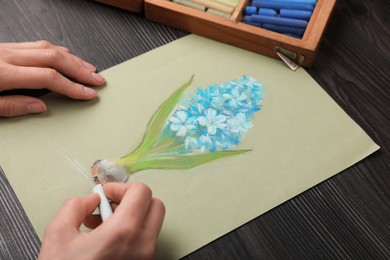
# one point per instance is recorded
(104, 207)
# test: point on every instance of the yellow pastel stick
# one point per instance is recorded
(214, 5)
(224, 15)
(231, 3)
(190, 4)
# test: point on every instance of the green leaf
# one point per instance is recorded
(159, 118)
(181, 161)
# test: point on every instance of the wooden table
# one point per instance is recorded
(345, 217)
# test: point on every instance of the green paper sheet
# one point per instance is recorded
(300, 138)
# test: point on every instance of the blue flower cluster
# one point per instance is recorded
(215, 118)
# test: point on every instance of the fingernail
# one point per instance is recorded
(33, 108)
(90, 92)
(63, 48)
(99, 79)
(89, 66)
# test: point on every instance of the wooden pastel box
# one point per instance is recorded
(233, 31)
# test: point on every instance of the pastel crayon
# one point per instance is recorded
(249, 10)
(277, 5)
(284, 29)
(278, 20)
(218, 13)
(247, 21)
(295, 14)
(266, 11)
(214, 5)
(190, 4)
(304, 2)
(260, 25)
(231, 3)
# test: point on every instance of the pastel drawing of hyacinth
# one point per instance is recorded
(185, 133)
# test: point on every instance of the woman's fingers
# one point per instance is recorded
(62, 61)
(38, 65)
(11, 106)
(34, 65)
(73, 213)
(154, 218)
(30, 45)
(92, 221)
(133, 199)
(36, 78)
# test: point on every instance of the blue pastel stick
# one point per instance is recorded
(304, 2)
(295, 14)
(255, 24)
(266, 11)
(249, 10)
(278, 20)
(292, 35)
(248, 21)
(277, 5)
(284, 29)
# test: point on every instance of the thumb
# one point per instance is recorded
(11, 106)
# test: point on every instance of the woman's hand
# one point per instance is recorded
(129, 233)
(36, 65)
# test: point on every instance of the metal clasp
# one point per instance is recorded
(289, 57)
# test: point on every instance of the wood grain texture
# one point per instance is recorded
(135, 6)
(345, 217)
(18, 239)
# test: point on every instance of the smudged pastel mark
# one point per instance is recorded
(74, 163)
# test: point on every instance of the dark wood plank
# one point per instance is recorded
(18, 239)
(345, 217)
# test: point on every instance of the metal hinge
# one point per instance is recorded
(292, 60)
